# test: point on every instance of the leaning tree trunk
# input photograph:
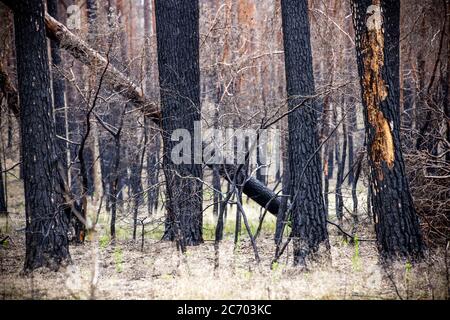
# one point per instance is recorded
(46, 223)
(308, 210)
(377, 46)
(179, 77)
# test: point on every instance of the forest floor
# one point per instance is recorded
(125, 270)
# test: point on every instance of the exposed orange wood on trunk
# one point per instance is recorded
(375, 90)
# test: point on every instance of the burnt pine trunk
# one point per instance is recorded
(377, 46)
(3, 204)
(179, 77)
(136, 185)
(151, 89)
(326, 128)
(217, 193)
(308, 210)
(59, 100)
(351, 134)
(342, 155)
(46, 223)
(153, 171)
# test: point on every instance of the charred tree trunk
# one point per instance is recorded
(217, 192)
(179, 77)
(115, 175)
(282, 210)
(153, 172)
(3, 204)
(377, 46)
(351, 132)
(447, 88)
(217, 197)
(59, 100)
(46, 222)
(326, 126)
(342, 154)
(308, 211)
(151, 88)
(136, 185)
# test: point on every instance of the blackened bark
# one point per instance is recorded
(136, 188)
(151, 87)
(153, 173)
(308, 211)
(91, 8)
(351, 131)
(115, 176)
(217, 197)
(396, 223)
(330, 159)
(46, 223)
(447, 89)
(326, 124)
(282, 209)
(179, 77)
(217, 193)
(106, 161)
(356, 173)
(115, 186)
(3, 206)
(342, 154)
(58, 90)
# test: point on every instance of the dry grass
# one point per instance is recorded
(160, 272)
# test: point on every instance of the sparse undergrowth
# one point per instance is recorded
(160, 272)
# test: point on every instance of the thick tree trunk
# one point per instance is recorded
(308, 211)
(179, 78)
(377, 47)
(46, 223)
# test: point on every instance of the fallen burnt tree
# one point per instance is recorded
(121, 84)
